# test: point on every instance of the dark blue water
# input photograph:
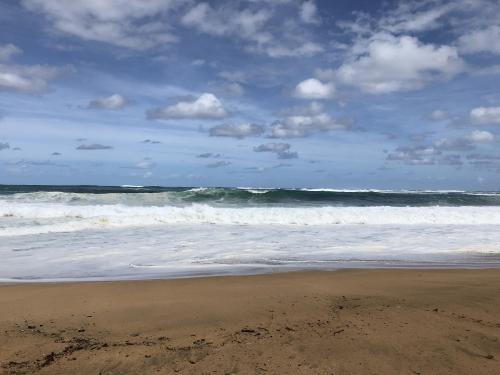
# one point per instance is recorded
(307, 197)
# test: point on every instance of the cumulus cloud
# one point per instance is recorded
(415, 16)
(112, 102)
(485, 115)
(255, 26)
(282, 150)
(438, 152)
(313, 88)
(27, 79)
(434, 154)
(288, 155)
(237, 130)
(303, 121)
(94, 146)
(389, 63)
(305, 49)
(218, 164)
(474, 22)
(125, 23)
(481, 40)
(151, 141)
(4, 146)
(140, 24)
(439, 115)
(420, 16)
(7, 51)
(206, 106)
(234, 81)
(207, 155)
(415, 155)
(466, 142)
(480, 136)
(247, 24)
(454, 144)
(309, 12)
(272, 147)
(298, 126)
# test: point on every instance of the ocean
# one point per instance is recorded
(58, 233)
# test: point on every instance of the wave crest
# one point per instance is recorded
(60, 217)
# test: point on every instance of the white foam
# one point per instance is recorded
(80, 217)
(64, 236)
(176, 250)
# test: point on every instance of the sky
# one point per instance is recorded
(277, 93)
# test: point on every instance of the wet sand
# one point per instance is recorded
(344, 322)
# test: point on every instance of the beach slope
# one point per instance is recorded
(344, 322)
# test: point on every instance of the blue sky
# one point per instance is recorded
(283, 93)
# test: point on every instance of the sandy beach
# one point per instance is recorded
(343, 322)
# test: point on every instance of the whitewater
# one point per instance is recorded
(54, 233)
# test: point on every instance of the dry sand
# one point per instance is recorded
(345, 322)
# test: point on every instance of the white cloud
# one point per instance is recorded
(389, 64)
(7, 51)
(439, 115)
(237, 130)
(282, 150)
(272, 147)
(246, 24)
(125, 23)
(482, 40)
(198, 62)
(234, 79)
(255, 26)
(309, 12)
(420, 16)
(314, 89)
(298, 126)
(233, 76)
(30, 79)
(206, 106)
(466, 142)
(416, 16)
(112, 102)
(145, 163)
(415, 155)
(480, 136)
(485, 115)
(304, 121)
(306, 49)
(454, 144)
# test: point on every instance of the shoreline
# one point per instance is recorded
(255, 271)
(469, 262)
(349, 321)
